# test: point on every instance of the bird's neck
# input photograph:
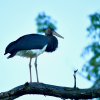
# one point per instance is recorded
(52, 44)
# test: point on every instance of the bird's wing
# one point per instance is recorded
(27, 42)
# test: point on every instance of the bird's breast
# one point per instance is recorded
(31, 53)
(52, 44)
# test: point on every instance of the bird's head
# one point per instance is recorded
(50, 31)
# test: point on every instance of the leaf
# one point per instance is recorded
(88, 76)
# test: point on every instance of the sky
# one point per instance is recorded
(17, 18)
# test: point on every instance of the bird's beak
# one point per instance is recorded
(54, 33)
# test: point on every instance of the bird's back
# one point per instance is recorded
(26, 42)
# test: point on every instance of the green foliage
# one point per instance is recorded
(43, 22)
(92, 67)
(95, 25)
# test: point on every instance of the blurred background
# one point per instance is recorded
(77, 21)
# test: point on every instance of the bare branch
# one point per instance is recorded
(50, 90)
(75, 78)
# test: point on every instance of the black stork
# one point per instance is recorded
(32, 45)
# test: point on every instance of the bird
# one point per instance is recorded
(32, 45)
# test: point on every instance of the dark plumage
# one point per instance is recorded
(32, 45)
(52, 44)
(26, 42)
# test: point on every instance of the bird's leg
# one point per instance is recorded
(30, 70)
(36, 69)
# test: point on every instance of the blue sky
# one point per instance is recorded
(17, 18)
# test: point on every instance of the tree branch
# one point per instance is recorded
(50, 90)
(75, 78)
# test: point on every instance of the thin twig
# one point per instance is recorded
(75, 78)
